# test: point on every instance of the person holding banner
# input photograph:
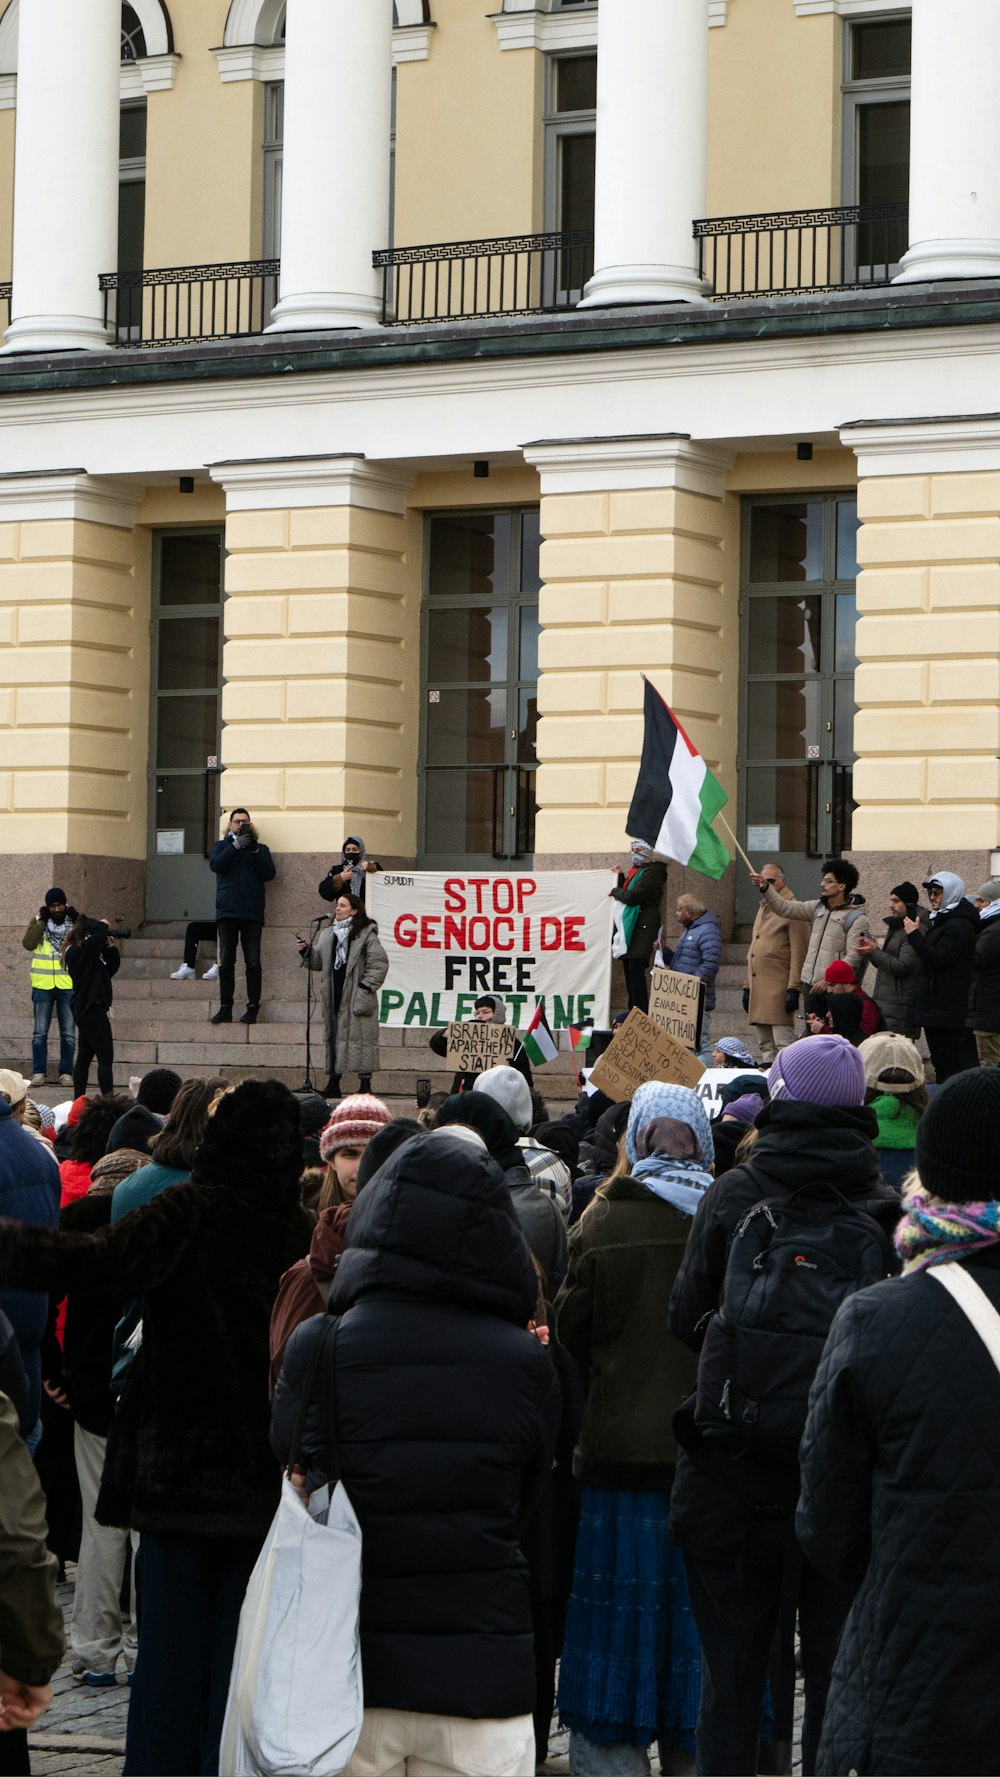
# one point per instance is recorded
(354, 966)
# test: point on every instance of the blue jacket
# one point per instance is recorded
(29, 1192)
(242, 873)
(699, 952)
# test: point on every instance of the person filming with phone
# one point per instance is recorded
(242, 865)
(350, 875)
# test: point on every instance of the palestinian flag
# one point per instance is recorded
(676, 798)
(579, 1036)
(538, 1042)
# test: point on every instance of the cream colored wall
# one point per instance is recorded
(74, 675)
(779, 471)
(468, 134)
(773, 110)
(458, 487)
(633, 582)
(928, 683)
(204, 159)
(321, 663)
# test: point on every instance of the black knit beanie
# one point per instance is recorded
(957, 1136)
(905, 891)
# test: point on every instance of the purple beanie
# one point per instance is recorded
(819, 1070)
(743, 1110)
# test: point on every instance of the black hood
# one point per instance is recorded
(813, 1144)
(607, 1136)
(437, 1224)
(964, 909)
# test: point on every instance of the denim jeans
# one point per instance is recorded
(46, 1000)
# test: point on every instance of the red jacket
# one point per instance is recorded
(304, 1288)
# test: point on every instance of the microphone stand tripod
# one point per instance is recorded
(321, 918)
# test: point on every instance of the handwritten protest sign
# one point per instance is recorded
(642, 1051)
(676, 1004)
(474, 1047)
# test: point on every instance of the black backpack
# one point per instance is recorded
(792, 1261)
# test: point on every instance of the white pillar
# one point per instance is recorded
(954, 142)
(652, 117)
(335, 183)
(65, 173)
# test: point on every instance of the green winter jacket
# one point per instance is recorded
(611, 1314)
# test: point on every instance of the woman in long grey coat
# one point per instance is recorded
(354, 966)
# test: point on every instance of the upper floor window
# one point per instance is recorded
(877, 128)
(571, 149)
(133, 36)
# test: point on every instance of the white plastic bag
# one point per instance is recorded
(295, 1696)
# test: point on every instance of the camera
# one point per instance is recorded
(119, 931)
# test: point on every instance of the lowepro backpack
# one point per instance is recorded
(792, 1261)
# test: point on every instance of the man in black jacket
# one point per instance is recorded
(440, 1412)
(243, 866)
(984, 1000)
(946, 957)
(733, 1502)
(640, 890)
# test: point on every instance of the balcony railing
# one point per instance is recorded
(181, 304)
(528, 274)
(802, 252)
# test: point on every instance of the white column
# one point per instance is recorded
(335, 184)
(652, 117)
(65, 173)
(954, 142)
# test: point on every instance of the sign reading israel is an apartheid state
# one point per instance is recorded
(520, 938)
(474, 1046)
(641, 1051)
(676, 1004)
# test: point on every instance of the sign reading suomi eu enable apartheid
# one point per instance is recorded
(473, 1046)
(522, 938)
(642, 1051)
(676, 1004)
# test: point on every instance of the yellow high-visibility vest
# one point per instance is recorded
(47, 969)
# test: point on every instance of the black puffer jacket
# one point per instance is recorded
(984, 999)
(446, 1412)
(900, 1479)
(946, 955)
(727, 1503)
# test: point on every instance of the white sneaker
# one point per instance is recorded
(37, 1080)
(211, 974)
(183, 973)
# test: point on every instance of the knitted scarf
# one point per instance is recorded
(342, 937)
(931, 1232)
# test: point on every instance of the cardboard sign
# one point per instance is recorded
(676, 1004)
(474, 1047)
(642, 1051)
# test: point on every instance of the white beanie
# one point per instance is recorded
(511, 1091)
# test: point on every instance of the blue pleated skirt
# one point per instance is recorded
(631, 1662)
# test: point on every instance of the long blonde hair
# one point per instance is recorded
(620, 1169)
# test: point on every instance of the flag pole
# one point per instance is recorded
(737, 844)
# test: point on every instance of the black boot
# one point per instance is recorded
(364, 1083)
(223, 1016)
(250, 1015)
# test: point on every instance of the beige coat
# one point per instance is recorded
(351, 1033)
(774, 962)
(833, 938)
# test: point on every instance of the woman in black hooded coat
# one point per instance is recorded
(440, 1411)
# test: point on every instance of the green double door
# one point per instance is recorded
(798, 615)
(185, 723)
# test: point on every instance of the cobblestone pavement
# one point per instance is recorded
(83, 1734)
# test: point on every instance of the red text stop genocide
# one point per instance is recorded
(486, 913)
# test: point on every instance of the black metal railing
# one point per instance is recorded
(179, 304)
(801, 251)
(5, 296)
(527, 274)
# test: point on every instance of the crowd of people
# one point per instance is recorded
(646, 1420)
(624, 1402)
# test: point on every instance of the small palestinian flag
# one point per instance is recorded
(676, 797)
(579, 1036)
(538, 1042)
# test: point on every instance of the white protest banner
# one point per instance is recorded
(709, 1087)
(451, 938)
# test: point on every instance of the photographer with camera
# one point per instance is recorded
(349, 877)
(92, 958)
(51, 988)
(242, 866)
